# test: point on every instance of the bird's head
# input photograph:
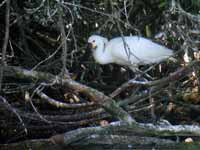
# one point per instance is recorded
(96, 41)
(98, 46)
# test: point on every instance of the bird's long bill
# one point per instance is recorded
(92, 45)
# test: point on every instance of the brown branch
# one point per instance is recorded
(145, 129)
(129, 140)
(97, 97)
(61, 104)
(98, 141)
(180, 73)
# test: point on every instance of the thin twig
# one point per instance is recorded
(15, 112)
(49, 57)
(40, 87)
(2, 3)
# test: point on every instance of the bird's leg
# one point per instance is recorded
(136, 71)
(152, 106)
(151, 67)
(139, 73)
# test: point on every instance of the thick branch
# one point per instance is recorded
(98, 97)
(146, 129)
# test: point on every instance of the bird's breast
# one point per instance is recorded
(102, 57)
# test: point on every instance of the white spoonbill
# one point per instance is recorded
(131, 51)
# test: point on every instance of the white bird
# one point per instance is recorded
(131, 51)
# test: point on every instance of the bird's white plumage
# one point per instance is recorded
(129, 50)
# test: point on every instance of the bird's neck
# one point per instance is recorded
(102, 55)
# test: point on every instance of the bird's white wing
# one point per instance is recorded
(137, 50)
(150, 52)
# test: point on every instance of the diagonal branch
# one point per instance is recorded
(96, 96)
(180, 73)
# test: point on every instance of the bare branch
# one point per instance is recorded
(9, 107)
(180, 73)
(61, 104)
(147, 129)
(97, 97)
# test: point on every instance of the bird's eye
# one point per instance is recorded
(93, 41)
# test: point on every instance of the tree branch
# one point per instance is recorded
(115, 127)
(97, 97)
(6, 38)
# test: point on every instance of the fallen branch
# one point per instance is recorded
(113, 128)
(97, 97)
(180, 73)
(61, 104)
